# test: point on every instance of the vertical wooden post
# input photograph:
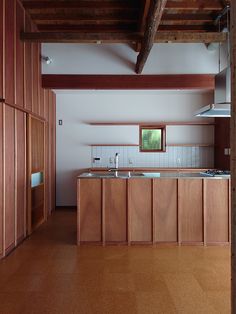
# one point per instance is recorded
(233, 153)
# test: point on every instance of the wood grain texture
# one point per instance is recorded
(28, 95)
(90, 204)
(222, 141)
(35, 77)
(140, 207)
(1, 179)
(190, 205)
(216, 196)
(165, 208)
(180, 81)
(115, 210)
(2, 65)
(20, 134)
(9, 176)
(37, 206)
(9, 52)
(19, 56)
(37, 145)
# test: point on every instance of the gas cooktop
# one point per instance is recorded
(215, 173)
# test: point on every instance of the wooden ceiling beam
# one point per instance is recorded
(132, 82)
(215, 5)
(83, 37)
(161, 37)
(63, 4)
(153, 21)
(187, 37)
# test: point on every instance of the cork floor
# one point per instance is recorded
(48, 273)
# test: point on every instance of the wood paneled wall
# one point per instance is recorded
(222, 141)
(21, 94)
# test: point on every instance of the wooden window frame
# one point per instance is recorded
(163, 138)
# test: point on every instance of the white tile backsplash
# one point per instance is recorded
(175, 156)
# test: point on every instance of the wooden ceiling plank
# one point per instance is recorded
(195, 5)
(79, 4)
(153, 20)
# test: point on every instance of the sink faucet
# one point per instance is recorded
(116, 164)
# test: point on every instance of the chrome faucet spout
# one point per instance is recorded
(117, 160)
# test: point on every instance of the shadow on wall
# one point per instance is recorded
(111, 53)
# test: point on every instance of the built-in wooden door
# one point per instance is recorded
(36, 173)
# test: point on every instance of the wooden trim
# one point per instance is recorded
(26, 111)
(78, 212)
(230, 222)
(130, 82)
(103, 213)
(113, 145)
(29, 218)
(163, 138)
(178, 215)
(153, 215)
(204, 213)
(167, 145)
(26, 177)
(180, 123)
(128, 215)
(4, 180)
(15, 183)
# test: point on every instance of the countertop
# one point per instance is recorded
(150, 175)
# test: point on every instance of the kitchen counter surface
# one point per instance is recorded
(150, 175)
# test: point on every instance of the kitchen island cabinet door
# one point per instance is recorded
(115, 207)
(140, 210)
(165, 210)
(216, 201)
(90, 210)
(190, 207)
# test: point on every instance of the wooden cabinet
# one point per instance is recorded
(28, 94)
(9, 71)
(217, 211)
(20, 162)
(1, 179)
(115, 210)
(140, 210)
(9, 177)
(19, 56)
(35, 77)
(90, 210)
(190, 203)
(184, 211)
(2, 27)
(165, 210)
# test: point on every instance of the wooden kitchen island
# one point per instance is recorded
(170, 209)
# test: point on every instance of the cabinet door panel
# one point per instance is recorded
(9, 52)
(20, 173)
(140, 210)
(165, 209)
(9, 182)
(217, 210)
(2, 27)
(1, 179)
(19, 89)
(115, 210)
(90, 210)
(190, 203)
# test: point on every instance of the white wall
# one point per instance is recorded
(76, 109)
(121, 59)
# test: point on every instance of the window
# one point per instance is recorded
(152, 138)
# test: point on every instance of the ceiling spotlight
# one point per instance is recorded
(47, 60)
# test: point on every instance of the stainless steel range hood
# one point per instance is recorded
(221, 106)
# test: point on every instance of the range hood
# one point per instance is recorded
(221, 106)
